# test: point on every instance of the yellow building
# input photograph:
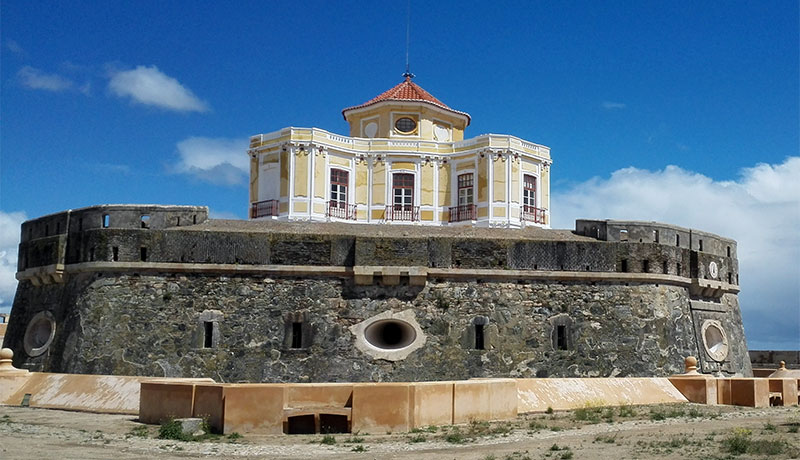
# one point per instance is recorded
(405, 161)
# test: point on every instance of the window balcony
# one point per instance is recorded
(266, 208)
(463, 212)
(341, 210)
(531, 214)
(400, 212)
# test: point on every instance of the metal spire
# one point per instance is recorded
(407, 74)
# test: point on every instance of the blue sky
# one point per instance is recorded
(685, 112)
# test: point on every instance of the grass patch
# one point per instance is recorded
(172, 429)
(606, 439)
(328, 440)
(418, 438)
(359, 448)
(455, 437)
(741, 441)
(626, 410)
(354, 440)
(140, 431)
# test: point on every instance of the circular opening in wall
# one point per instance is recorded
(390, 334)
(715, 340)
(39, 334)
(405, 125)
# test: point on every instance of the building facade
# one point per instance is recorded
(405, 161)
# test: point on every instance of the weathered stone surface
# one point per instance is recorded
(153, 325)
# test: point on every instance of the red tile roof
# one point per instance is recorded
(407, 91)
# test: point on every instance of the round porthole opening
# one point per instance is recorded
(390, 334)
(39, 333)
(715, 340)
(405, 125)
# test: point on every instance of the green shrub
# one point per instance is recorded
(359, 448)
(455, 437)
(172, 429)
(328, 440)
(738, 442)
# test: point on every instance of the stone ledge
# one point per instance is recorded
(364, 274)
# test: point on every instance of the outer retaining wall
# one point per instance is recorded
(536, 395)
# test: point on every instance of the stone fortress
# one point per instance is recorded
(400, 253)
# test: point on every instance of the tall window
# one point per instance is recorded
(403, 191)
(529, 191)
(465, 189)
(339, 188)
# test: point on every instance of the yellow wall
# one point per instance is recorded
(425, 115)
(301, 174)
(379, 184)
(284, 174)
(320, 181)
(515, 181)
(300, 207)
(402, 165)
(426, 216)
(426, 185)
(362, 182)
(253, 179)
(338, 161)
(483, 188)
(499, 179)
(444, 186)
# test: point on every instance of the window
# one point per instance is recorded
(677, 240)
(143, 254)
(405, 125)
(645, 266)
(115, 253)
(145, 221)
(624, 265)
(339, 181)
(729, 251)
(466, 192)
(106, 220)
(297, 335)
(655, 236)
(529, 191)
(403, 191)
(479, 345)
(561, 337)
(701, 245)
(623, 235)
(208, 334)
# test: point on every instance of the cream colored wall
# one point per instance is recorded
(483, 180)
(515, 181)
(424, 114)
(320, 178)
(253, 179)
(444, 191)
(284, 161)
(361, 182)
(301, 175)
(499, 179)
(379, 184)
(426, 185)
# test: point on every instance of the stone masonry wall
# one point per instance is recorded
(131, 324)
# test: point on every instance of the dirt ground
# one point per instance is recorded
(665, 431)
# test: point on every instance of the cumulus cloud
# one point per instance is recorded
(608, 105)
(149, 86)
(36, 79)
(760, 209)
(9, 242)
(216, 160)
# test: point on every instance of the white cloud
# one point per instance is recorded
(761, 210)
(9, 241)
(15, 47)
(215, 160)
(608, 105)
(149, 86)
(36, 79)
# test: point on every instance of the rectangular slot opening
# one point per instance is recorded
(479, 343)
(665, 268)
(677, 240)
(208, 334)
(729, 251)
(297, 335)
(700, 243)
(301, 424)
(678, 270)
(624, 265)
(655, 236)
(106, 220)
(145, 221)
(561, 337)
(115, 253)
(333, 423)
(623, 235)
(645, 266)
(91, 254)
(143, 254)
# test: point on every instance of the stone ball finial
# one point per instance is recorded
(690, 364)
(6, 354)
(783, 365)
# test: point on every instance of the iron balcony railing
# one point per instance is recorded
(341, 210)
(402, 212)
(531, 214)
(264, 209)
(463, 212)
